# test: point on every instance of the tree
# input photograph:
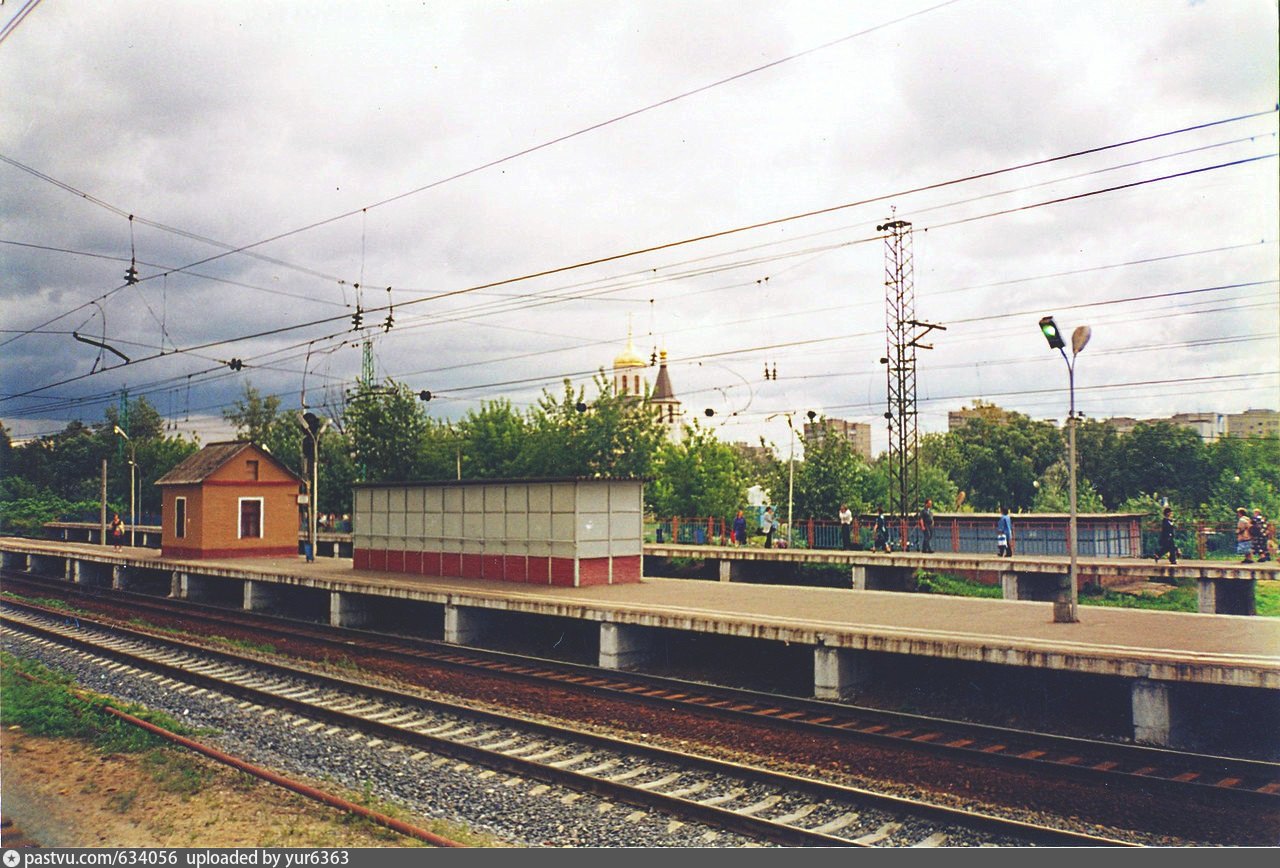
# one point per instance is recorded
(831, 473)
(1053, 494)
(996, 463)
(616, 435)
(1162, 458)
(254, 416)
(492, 439)
(385, 425)
(699, 476)
(1097, 453)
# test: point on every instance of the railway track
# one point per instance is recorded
(1248, 782)
(750, 801)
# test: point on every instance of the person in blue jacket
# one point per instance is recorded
(1004, 534)
(740, 529)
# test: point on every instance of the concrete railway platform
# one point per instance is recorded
(1180, 675)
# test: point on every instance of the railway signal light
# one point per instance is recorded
(1049, 329)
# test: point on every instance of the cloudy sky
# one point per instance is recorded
(526, 181)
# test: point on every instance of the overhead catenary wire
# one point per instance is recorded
(669, 245)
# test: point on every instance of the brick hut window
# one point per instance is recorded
(250, 518)
(180, 517)
(253, 470)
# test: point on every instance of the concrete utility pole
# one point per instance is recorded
(103, 514)
(312, 427)
(133, 470)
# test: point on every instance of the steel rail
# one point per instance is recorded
(711, 814)
(1254, 782)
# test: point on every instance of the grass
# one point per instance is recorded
(49, 706)
(941, 583)
(1183, 597)
(239, 644)
(47, 602)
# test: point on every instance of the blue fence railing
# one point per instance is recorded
(1096, 536)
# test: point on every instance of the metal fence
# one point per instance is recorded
(1096, 535)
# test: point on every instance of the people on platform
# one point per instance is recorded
(117, 531)
(767, 525)
(881, 532)
(1004, 534)
(926, 527)
(740, 529)
(846, 527)
(1259, 530)
(1166, 545)
(1244, 541)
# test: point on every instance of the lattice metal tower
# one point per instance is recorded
(902, 338)
(368, 370)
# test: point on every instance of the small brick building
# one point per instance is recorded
(229, 500)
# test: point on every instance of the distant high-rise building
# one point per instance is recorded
(857, 433)
(980, 410)
(1254, 423)
(1122, 424)
(1210, 426)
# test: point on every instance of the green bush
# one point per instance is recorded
(47, 707)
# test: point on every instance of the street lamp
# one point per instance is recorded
(791, 465)
(312, 427)
(1065, 607)
(133, 465)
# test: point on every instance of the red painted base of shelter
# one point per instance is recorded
(561, 572)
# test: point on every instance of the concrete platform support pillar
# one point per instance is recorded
(347, 610)
(1152, 718)
(625, 646)
(1009, 585)
(1208, 597)
(839, 672)
(726, 570)
(859, 578)
(260, 596)
(47, 565)
(463, 625)
(197, 589)
(886, 578)
(1228, 597)
(175, 585)
(117, 577)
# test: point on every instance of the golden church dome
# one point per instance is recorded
(629, 358)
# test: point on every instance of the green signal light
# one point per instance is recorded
(1050, 330)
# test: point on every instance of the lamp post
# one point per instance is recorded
(1065, 607)
(312, 427)
(791, 467)
(133, 467)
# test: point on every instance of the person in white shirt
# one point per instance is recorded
(846, 526)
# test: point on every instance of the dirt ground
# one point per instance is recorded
(62, 793)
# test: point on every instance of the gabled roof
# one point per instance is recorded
(662, 390)
(199, 467)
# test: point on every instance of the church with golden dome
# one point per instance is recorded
(630, 377)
